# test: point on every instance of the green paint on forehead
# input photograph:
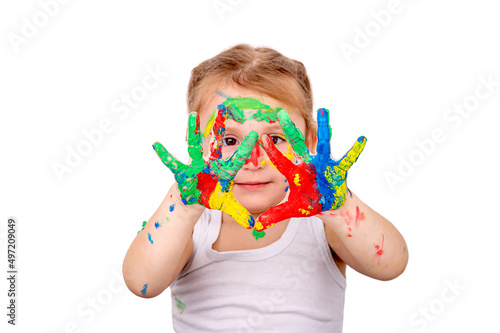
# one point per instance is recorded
(236, 107)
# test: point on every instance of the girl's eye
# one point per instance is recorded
(230, 141)
(277, 139)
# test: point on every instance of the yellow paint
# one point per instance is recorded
(289, 153)
(296, 179)
(259, 227)
(226, 202)
(209, 126)
(303, 211)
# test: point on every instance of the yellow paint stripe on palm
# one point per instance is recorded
(226, 202)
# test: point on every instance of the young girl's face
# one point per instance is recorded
(258, 185)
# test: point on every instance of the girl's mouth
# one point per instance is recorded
(252, 186)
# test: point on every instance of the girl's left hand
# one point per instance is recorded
(322, 185)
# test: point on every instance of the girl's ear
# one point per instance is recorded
(311, 140)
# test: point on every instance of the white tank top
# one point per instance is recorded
(291, 285)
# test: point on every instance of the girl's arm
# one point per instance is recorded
(160, 251)
(365, 240)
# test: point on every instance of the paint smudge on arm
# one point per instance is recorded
(157, 224)
(143, 225)
(144, 289)
(379, 249)
(149, 237)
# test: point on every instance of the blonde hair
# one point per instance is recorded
(261, 69)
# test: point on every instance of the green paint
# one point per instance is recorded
(294, 136)
(235, 107)
(226, 170)
(258, 234)
(143, 225)
(179, 305)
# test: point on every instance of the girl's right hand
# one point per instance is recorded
(209, 183)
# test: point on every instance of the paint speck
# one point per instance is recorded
(172, 207)
(143, 291)
(179, 305)
(380, 249)
(157, 224)
(149, 237)
(258, 234)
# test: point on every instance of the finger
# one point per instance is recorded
(284, 165)
(274, 215)
(195, 147)
(243, 152)
(293, 136)
(219, 131)
(352, 155)
(169, 160)
(226, 202)
(324, 132)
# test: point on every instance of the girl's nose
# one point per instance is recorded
(255, 156)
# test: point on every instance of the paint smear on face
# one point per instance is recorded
(149, 237)
(254, 157)
(144, 289)
(235, 107)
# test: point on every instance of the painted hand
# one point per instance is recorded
(209, 183)
(303, 197)
(322, 185)
(331, 174)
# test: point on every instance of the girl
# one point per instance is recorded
(251, 165)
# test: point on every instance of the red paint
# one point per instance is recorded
(346, 216)
(360, 216)
(305, 196)
(219, 131)
(206, 185)
(254, 156)
(380, 249)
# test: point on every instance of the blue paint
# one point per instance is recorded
(149, 237)
(157, 225)
(286, 190)
(172, 207)
(143, 291)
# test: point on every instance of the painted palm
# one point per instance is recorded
(317, 182)
(210, 183)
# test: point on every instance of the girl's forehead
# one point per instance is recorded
(247, 109)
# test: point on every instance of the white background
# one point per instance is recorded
(73, 232)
